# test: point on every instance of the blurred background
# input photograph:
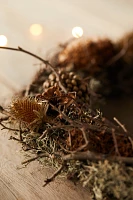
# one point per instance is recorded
(40, 25)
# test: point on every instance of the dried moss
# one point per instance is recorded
(108, 180)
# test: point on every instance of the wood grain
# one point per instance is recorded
(25, 183)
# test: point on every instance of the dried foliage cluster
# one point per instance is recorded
(57, 119)
(108, 64)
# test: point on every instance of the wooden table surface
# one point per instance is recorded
(97, 18)
(25, 183)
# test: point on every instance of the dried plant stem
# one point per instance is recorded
(20, 132)
(88, 155)
(65, 127)
(84, 135)
(5, 127)
(121, 53)
(65, 150)
(36, 157)
(12, 129)
(117, 56)
(120, 124)
(115, 143)
(14, 138)
(124, 129)
(85, 139)
(4, 112)
(4, 119)
(41, 59)
(50, 179)
(64, 116)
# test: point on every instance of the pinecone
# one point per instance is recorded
(71, 82)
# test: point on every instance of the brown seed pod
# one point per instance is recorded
(71, 81)
(29, 111)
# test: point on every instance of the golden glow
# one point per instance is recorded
(3, 40)
(36, 29)
(77, 32)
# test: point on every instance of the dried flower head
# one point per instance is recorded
(29, 110)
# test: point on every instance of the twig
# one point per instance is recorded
(4, 112)
(85, 139)
(67, 151)
(1, 109)
(84, 135)
(106, 121)
(41, 59)
(4, 119)
(120, 124)
(115, 142)
(55, 127)
(43, 134)
(20, 132)
(120, 54)
(12, 129)
(117, 56)
(5, 127)
(88, 155)
(14, 138)
(36, 157)
(124, 129)
(131, 141)
(81, 148)
(70, 138)
(50, 179)
(64, 116)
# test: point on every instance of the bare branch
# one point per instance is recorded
(36, 157)
(41, 59)
(125, 130)
(115, 142)
(120, 124)
(121, 53)
(88, 155)
(5, 127)
(50, 179)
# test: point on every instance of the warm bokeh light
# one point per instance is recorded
(36, 29)
(3, 40)
(77, 32)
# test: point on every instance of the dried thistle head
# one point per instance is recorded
(29, 110)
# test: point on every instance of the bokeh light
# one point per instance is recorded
(36, 29)
(3, 40)
(77, 32)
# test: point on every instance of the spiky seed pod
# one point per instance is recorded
(28, 110)
(71, 82)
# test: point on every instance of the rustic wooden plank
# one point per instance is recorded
(5, 192)
(25, 183)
